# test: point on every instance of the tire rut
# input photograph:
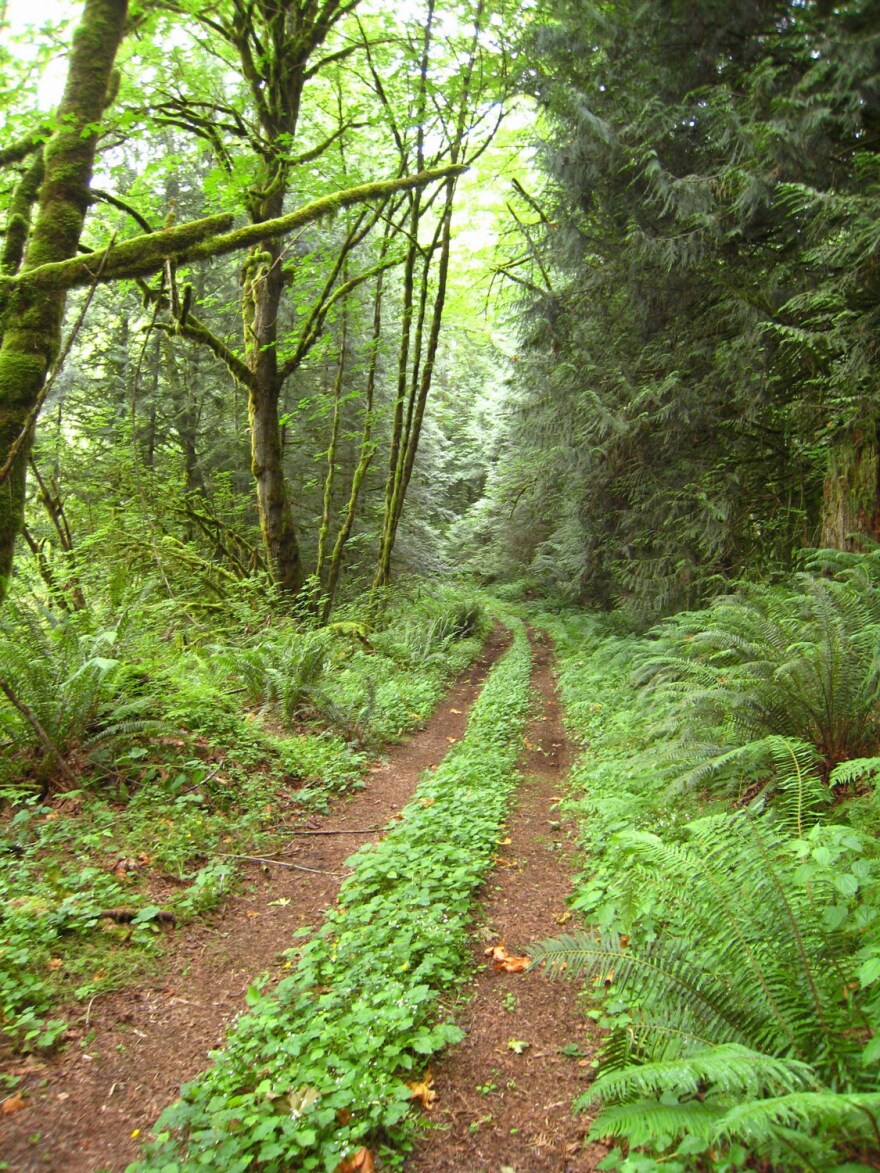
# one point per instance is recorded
(497, 1110)
(129, 1052)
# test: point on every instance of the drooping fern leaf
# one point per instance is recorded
(727, 1068)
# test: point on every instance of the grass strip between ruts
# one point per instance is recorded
(318, 1067)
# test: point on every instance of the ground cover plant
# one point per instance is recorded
(138, 766)
(330, 1060)
(733, 954)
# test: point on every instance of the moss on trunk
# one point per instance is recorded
(32, 335)
(851, 496)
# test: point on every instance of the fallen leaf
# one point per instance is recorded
(505, 842)
(252, 912)
(455, 711)
(452, 740)
(506, 962)
(427, 801)
(282, 902)
(563, 917)
(54, 963)
(422, 1090)
(13, 1103)
(518, 1046)
(360, 1162)
(301, 1099)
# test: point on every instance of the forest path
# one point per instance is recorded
(132, 1049)
(498, 1111)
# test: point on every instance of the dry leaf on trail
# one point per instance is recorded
(455, 710)
(423, 1091)
(505, 842)
(506, 962)
(359, 1162)
(301, 1099)
(13, 1103)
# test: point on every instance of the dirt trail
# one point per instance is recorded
(496, 1110)
(132, 1049)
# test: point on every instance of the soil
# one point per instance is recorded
(500, 1108)
(129, 1051)
(498, 1111)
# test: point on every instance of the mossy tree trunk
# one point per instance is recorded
(32, 322)
(851, 496)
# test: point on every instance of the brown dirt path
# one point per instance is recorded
(132, 1049)
(498, 1111)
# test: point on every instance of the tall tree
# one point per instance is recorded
(57, 183)
(677, 412)
(33, 286)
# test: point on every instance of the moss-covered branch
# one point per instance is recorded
(23, 147)
(202, 239)
(18, 221)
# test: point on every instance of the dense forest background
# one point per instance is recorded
(627, 355)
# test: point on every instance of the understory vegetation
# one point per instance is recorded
(332, 1057)
(143, 755)
(726, 790)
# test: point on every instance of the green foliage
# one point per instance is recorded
(318, 1065)
(76, 696)
(279, 671)
(211, 779)
(694, 389)
(798, 662)
(733, 956)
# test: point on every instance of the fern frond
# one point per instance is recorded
(728, 1068)
(845, 773)
(649, 1122)
(855, 1116)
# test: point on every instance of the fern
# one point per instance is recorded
(75, 685)
(281, 673)
(649, 1122)
(802, 664)
(737, 994)
(854, 1116)
(727, 1068)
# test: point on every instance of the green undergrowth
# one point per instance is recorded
(178, 749)
(732, 947)
(318, 1067)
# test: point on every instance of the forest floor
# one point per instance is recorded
(500, 1107)
(504, 1094)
